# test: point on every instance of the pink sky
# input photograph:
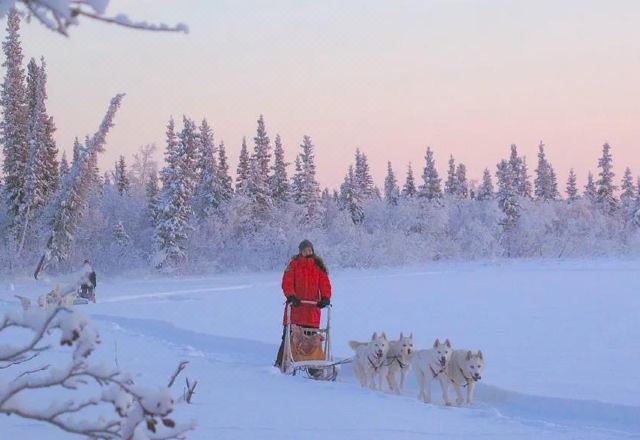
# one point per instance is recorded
(467, 78)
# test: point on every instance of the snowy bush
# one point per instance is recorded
(83, 397)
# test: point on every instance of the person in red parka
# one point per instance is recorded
(305, 279)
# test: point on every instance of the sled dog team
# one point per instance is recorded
(381, 357)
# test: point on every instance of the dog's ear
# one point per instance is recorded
(401, 335)
(374, 336)
(383, 336)
(447, 343)
(436, 343)
(411, 335)
(468, 355)
(480, 354)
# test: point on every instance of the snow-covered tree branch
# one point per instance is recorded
(60, 15)
(95, 400)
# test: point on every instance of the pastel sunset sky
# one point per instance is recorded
(467, 78)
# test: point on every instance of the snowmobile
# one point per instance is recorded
(308, 350)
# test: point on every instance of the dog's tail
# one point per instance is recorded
(355, 344)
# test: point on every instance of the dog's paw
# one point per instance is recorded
(447, 403)
(459, 401)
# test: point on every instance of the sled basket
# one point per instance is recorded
(308, 349)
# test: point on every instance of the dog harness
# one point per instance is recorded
(397, 359)
(467, 379)
(433, 372)
(375, 367)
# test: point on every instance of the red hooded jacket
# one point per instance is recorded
(308, 281)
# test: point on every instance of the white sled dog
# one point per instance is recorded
(399, 359)
(464, 370)
(430, 365)
(370, 359)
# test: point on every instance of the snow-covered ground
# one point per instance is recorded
(561, 342)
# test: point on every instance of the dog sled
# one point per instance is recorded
(308, 350)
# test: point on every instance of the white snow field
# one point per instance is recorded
(561, 341)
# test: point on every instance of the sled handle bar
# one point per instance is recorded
(310, 303)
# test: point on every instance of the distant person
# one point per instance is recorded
(305, 279)
(88, 282)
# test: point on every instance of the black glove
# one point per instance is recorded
(324, 302)
(293, 300)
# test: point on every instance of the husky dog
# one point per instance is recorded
(432, 364)
(370, 359)
(399, 359)
(464, 370)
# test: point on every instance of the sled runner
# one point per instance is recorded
(309, 349)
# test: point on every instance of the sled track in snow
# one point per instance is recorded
(620, 420)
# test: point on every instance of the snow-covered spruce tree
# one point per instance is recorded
(391, 189)
(507, 197)
(154, 203)
(519, 171)
(244, 168)
(279, 181)
(79, 383)
(572, 187)
(635, 219)
(409, 190)
(310, 189)
(120, 236)
(485, 191)
(461, 183)
(35, 191)
(296, 186)
(121, 177)
(350, 197)
(450, 184)
(51, 174)
(262, 149)
(13, 125)
(628, 196)
(64, 166)
(68, 206)
(590, 190)
(362, 176)
(208, 193)
(546, 186)
(226, 182)
(178, 182)
(257, 190)
(605, 187)
(430, 189)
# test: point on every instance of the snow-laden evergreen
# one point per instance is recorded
(309, 196)
(208, 192)
(486, 191)
(279, 182)
(13, 125)
(68, 207)
(572, 186)
(461, 183)
(430, 189)
(226, 182)
(628, 195)
(590, 190)
(605, 187)
(121, 176)
(450, 184)
(244, 168)
(178, 181)
(546, 185)
(391, 189)
(409, 188)
(362, 176)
